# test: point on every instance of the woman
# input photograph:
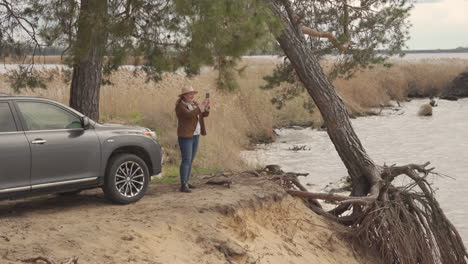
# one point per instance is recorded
(191, 124)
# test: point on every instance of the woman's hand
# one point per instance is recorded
(206, 103)
(203, 105)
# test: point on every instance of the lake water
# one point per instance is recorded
(399, 137)
(409, 56)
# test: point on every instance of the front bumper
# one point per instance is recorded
(157, 159)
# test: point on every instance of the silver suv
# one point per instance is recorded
(47, 147)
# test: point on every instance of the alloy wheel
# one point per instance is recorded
(129, 179)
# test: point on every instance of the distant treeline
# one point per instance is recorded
(457, 50)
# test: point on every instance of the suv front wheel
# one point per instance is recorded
(127, 179)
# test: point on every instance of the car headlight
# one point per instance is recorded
(151, 133)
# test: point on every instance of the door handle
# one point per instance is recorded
(39, 141)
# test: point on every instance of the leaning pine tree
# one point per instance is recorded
(404, 224)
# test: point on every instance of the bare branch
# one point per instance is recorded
(31, 31)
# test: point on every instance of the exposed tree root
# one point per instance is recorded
(38, 260)
(405, 225)
(44, 260)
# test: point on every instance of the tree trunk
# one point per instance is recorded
(88, 56)
(362, 169)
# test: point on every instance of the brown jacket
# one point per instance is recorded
(187, 120)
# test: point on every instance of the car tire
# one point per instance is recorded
(127, 179)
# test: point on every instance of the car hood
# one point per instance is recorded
(118, 127)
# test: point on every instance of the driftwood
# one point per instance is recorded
(404, 224)
(297, 148)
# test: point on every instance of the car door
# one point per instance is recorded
(62, 151)
(15, 154)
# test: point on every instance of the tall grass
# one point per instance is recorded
(245, 115)
(235, 118)
(377, 86)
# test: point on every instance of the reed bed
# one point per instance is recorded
(246, 116)
(377, 86)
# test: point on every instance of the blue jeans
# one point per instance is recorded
(188, 150)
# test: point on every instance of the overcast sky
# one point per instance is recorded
(439, 24)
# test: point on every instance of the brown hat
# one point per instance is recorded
(186, 89)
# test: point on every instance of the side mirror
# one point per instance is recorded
(85, 122)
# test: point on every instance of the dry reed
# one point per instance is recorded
(245, 115)
(377, 86)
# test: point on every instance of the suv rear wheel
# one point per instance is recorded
(127, 179)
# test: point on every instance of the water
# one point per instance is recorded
(399, 137)
(407, 57)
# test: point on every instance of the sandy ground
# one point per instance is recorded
(254, 221)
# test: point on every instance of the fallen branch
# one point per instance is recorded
(220, 182)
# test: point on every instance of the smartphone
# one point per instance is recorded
(207, 95)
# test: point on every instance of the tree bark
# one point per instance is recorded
(362, 169)
(88, 57)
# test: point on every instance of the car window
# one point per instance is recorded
(7, 123)
(43, 116)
